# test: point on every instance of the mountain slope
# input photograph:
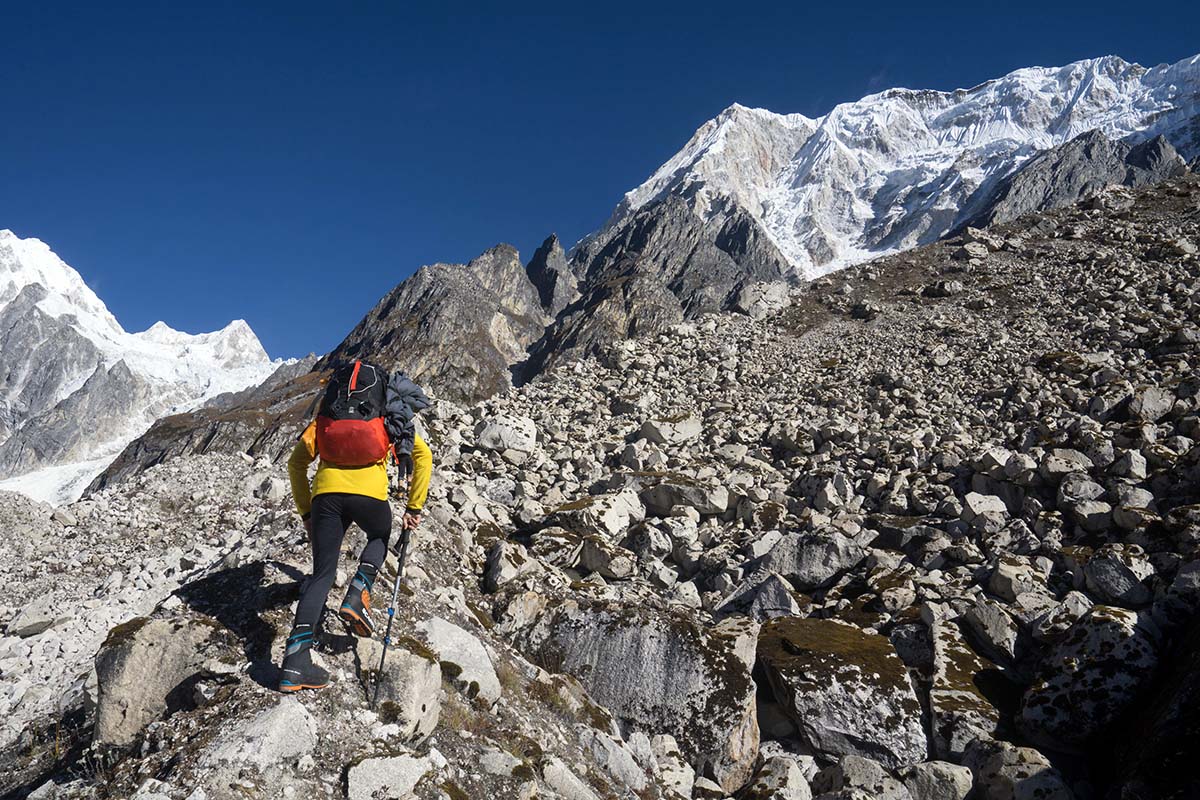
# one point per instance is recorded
(455, 328)
(662, 265)
(944, 507)
(76, 387)
(721, 224)
(897, 169)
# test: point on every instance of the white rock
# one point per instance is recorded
(779, 778)
(139, 665)
(706, 497)
(674, 431)
(39, 615)
(559, 777)
(938, 780)
(661, 672)
(608, 515)
(675, 774)
(758, 300)
(463, 658)
(410, 692)
(275, 737)
(614, 757)
(391, 778)
(1094, 673)
(975, 504)
(495, 761)
(864, 703)
(507, 432)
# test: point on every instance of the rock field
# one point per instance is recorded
(924, 529)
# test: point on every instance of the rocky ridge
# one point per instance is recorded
(1077, 170)
(882, 541)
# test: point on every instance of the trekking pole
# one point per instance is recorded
(387, 634)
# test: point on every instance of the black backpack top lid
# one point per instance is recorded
(355, 391)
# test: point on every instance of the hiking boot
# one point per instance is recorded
(298, 671)
(356, 608)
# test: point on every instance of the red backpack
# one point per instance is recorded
(350, 424)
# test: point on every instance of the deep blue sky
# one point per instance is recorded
(288, 163)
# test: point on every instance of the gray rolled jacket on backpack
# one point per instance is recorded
(404, 400)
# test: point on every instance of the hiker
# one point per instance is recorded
(365, 419)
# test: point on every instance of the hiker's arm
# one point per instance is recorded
(418, 487)
(302, 455)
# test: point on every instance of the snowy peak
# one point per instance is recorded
(738, 151)
(158, 353)
(26, 262)
(897, 168)
(232, 347)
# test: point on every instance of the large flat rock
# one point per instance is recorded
(846, 690)
(661, 673)
(138, 667)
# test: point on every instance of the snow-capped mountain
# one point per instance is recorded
(77, 387)
(904, 167)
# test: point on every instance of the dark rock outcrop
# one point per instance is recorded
(42, 359)
(660, 266)
(109, 401)
(1076, 170)
(556, 283)
(1156, 754)
(455, 328)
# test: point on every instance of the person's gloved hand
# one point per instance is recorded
(411, 520)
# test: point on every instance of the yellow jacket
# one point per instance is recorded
(371, 480)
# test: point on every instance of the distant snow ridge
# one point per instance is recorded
(76, 387)
(904, 167)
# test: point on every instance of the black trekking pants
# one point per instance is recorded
(332, 515)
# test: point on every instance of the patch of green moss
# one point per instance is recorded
(787, 642)
(577, 505)
(481, 614)
(125, 631)
(416, 647)
(548, 694)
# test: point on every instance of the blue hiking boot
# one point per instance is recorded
(298, 671)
